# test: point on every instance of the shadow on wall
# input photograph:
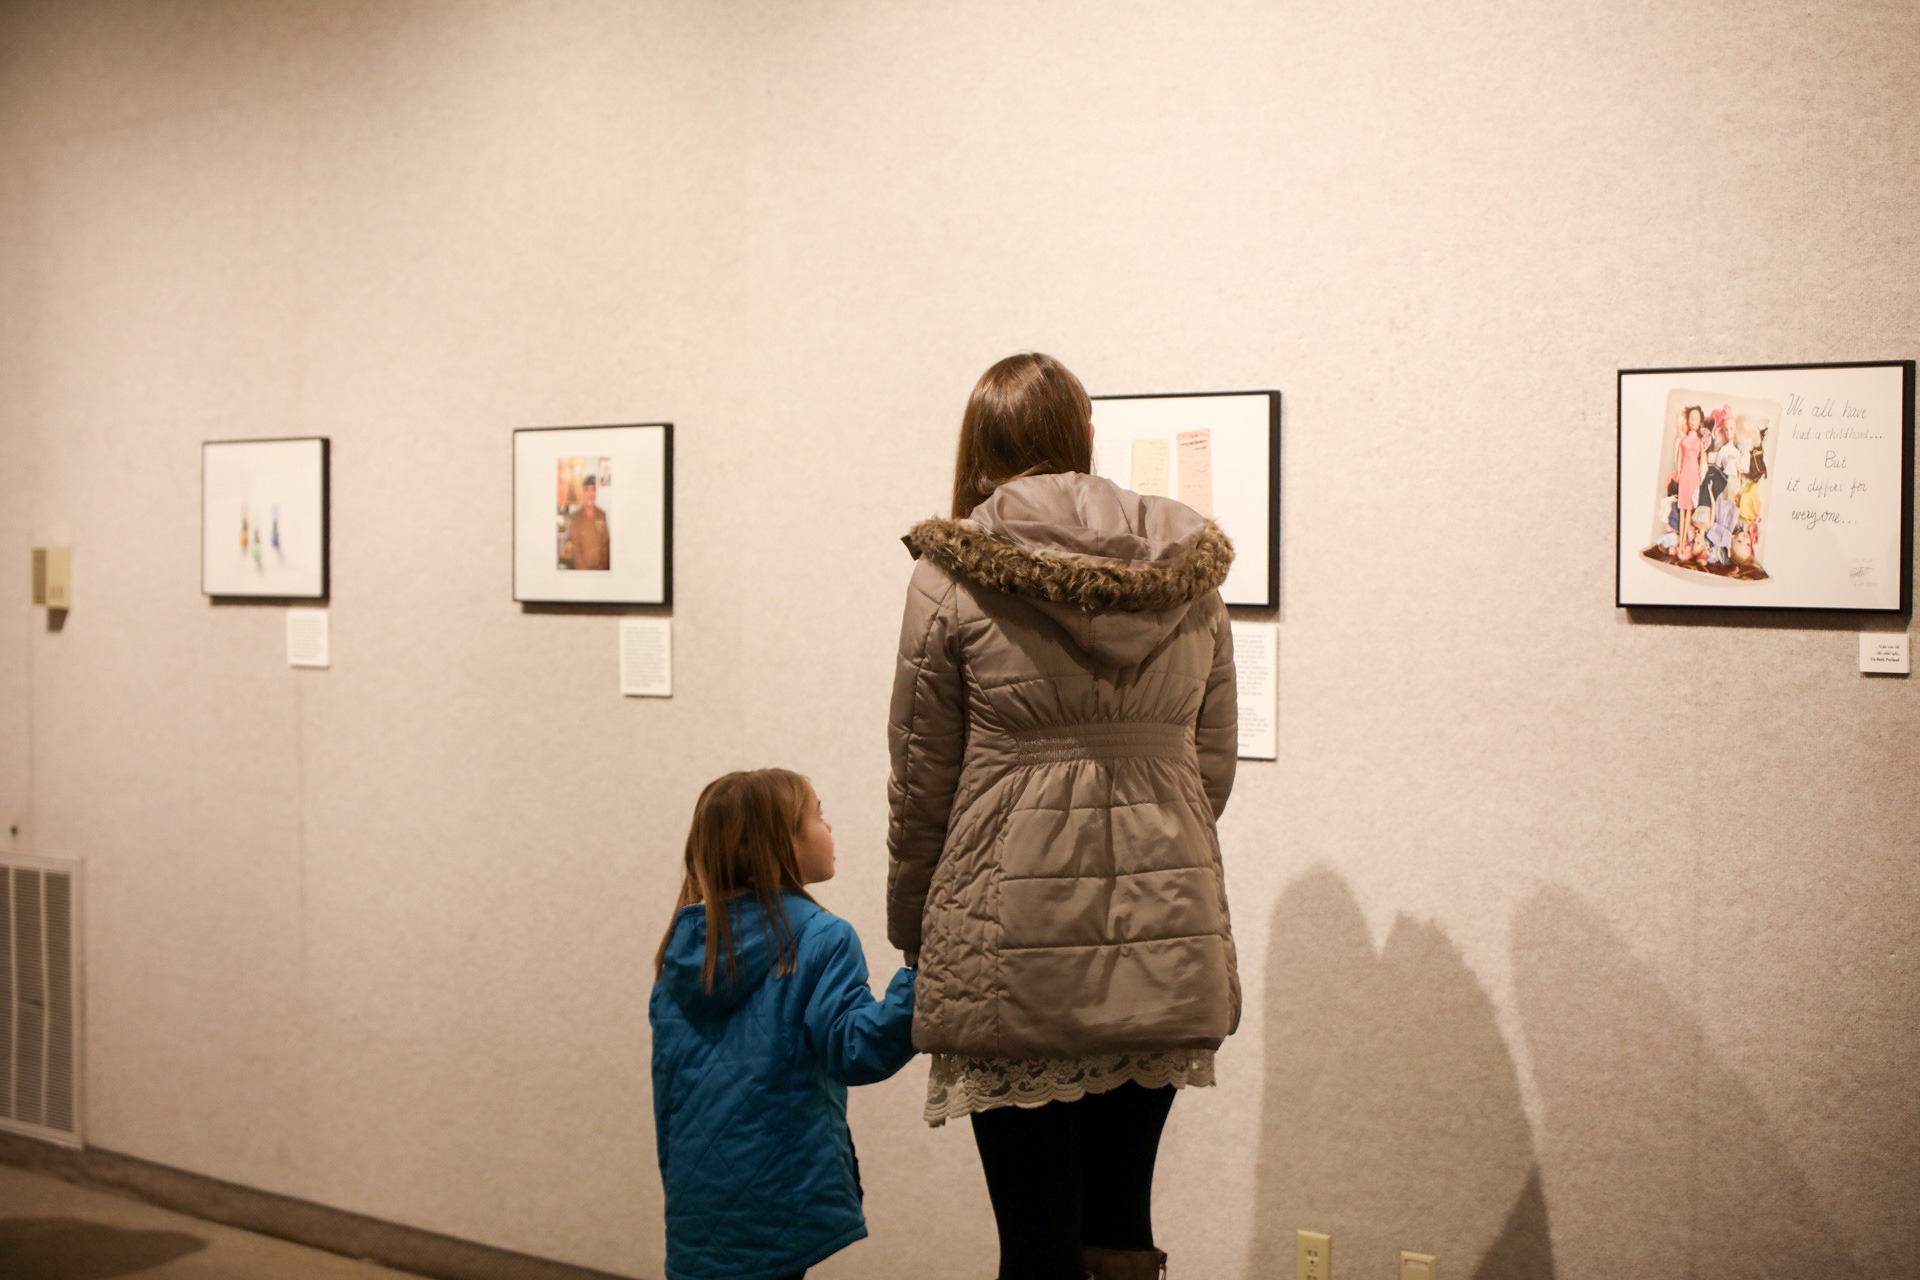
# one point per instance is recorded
(1658, 1150)
(69, 1249)
(1391, 1116)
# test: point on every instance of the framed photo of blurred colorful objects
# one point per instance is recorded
(1766, 487)
(263, 519)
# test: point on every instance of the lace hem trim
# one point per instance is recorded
(959, 1085)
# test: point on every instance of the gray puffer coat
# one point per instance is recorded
(1063, 734)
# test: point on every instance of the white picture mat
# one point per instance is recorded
(1854, 563)
(635, 503)
(262, 475)
(1242, 437)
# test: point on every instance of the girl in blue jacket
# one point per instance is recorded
(761, 1019)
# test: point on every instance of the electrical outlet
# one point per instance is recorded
(1315, 1258)
(1418, 1266)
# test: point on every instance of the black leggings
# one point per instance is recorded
(1070, 1174)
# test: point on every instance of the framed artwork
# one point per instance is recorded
(1216, 451)
(593, 514)
(1766, 487)
(263, 518)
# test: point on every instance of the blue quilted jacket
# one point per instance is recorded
(750, 1092)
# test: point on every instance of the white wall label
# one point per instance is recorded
(646, 657)
(1884, 653)
(1256, 667)
(307, 643)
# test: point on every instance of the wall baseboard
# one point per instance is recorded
(352, 1235)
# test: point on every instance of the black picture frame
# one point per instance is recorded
(1823, 522)
(635, 533)
(1251, 428)
(239, 478)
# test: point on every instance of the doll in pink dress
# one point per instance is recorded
(1686, 461)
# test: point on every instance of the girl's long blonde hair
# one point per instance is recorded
(741, 841)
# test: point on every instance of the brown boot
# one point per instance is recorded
(1125, 1264)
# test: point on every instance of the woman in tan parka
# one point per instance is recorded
(1063, 737)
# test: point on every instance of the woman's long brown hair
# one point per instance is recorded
(741, 841)
(1028, 415)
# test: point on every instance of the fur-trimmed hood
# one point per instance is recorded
(1116, 570)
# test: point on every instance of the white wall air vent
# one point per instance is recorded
(40, 998)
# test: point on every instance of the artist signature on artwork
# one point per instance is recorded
(1862, 573)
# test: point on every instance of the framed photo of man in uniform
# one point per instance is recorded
(593, 514)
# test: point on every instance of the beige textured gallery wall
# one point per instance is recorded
(1570, 936)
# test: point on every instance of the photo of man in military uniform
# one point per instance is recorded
(585, 544)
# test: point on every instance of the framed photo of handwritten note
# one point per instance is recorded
(1216, 451)
(1767, 487)
(593, 514)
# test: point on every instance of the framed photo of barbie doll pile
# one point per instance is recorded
(1216, 451)
(1767, 487)
(263, 519)
(593, 514)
